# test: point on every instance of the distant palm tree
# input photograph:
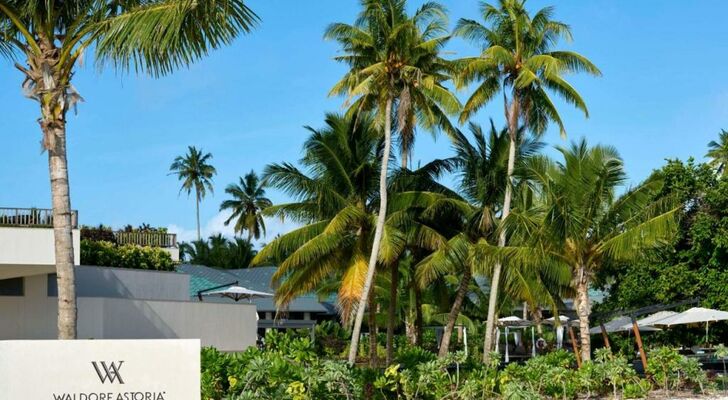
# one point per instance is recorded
(218, 252)
(195, 172)
(518, 61)
(718, 152)
(583, 224)
(394, 62)
(247, 203)
(53, 37)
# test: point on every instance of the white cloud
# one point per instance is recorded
(216, 225)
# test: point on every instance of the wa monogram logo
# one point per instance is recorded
(108, 372)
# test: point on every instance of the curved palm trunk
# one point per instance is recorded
(377, 232)
(583, 310)
(62, 226)
(455, 312)
(512, 117)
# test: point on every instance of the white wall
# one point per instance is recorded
(229, 327)
(26, 251)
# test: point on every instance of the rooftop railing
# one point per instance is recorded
(32, 217)
(151, 239)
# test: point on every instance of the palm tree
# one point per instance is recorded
(52, 37)
(195, 172)
(718, 152)
(518, 61)
(336, 200)
(219, 252)
(247, 203)
(583, 224)
(394, 62)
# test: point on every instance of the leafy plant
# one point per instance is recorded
(107, 254)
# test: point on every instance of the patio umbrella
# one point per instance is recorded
(695, 315)
(622, 324)
(651, 319)
(238, 293)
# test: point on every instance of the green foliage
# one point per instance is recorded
(693, 264)
(672, 371)
(248, 201)
(218, 252)
(107, 254)
(98, 233)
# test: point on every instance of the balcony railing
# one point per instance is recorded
(151, 239)
(32, 217)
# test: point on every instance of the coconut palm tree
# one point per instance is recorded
(395, 63)
(195, 172)
(336, 196)
(583, 224)
(219, 252)
(518, 61)
(482, 167)
(247, 203)
(718, 152)
(52, 36)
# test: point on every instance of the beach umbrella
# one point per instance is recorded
(513, 321)
(622, 324)
(695, 315)
(238, 293)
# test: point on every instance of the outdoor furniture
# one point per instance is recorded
(510, 323)
(237, 293)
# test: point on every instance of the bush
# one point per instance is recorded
(98, 233)
(107, 254)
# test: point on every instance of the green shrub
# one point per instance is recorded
(637, 390)
(410, 356)
(107, 254)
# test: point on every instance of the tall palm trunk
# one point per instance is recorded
(583, 310)
(381, 217)
(197, 212)
(373, 359)
(392, 311)
(455, 311)
(62, 228)
(512, 118)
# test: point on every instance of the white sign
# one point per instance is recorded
(100, 370)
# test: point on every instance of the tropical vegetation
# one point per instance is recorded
(195, 172)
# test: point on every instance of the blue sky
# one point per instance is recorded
(664, 94)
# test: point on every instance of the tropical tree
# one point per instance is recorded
(583, 224)
(195, 172)
(247, 203)
(518, 61)
(394, 62)
(336, 197)
(219, 252)
(718, 152)
(52, 36)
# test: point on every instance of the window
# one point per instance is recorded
(52, 286)
(12, 287)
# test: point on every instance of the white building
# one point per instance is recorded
(112, 303)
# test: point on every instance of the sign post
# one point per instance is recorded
(100, 369)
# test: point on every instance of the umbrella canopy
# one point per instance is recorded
(694, 315)
(513, 321)
(621, 324)
(237, 293)
(651, 319)
(563, 319)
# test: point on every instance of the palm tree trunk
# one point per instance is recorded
(392, 312)
(583, 310)
(373, 360)
(419, 320)
(455, 312)
(512, 117)
(377, 232)
(62, 226)
(197, 212)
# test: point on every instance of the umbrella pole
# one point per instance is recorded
(605, 336)
(575, 346)
(638, 339)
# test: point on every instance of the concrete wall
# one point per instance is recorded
(128, 284)
(25, 251)
(229, 327)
